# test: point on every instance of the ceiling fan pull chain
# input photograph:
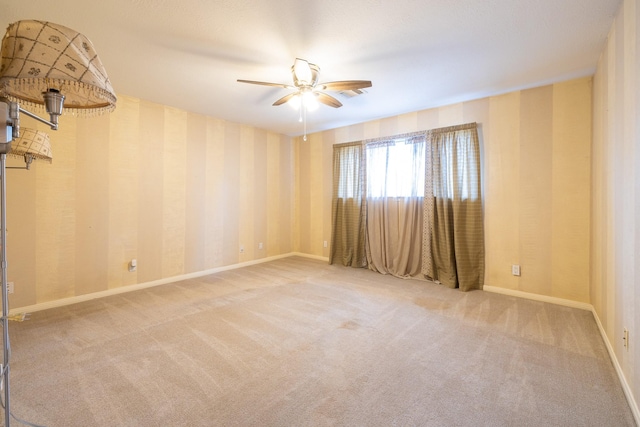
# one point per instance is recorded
(304, 106)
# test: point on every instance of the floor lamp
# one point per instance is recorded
(31, 145)
(48, 67)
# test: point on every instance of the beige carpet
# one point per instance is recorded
(296, 342)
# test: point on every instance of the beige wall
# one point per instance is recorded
(536, 148)
(179, 192)
(615, 227)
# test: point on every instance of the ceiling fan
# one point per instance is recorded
(306, 86)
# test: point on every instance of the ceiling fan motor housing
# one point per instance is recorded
(304, 73)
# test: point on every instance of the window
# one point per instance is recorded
(410, 206)
(395, 168)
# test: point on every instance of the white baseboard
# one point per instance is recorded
(628, 393)
(623, 380)
(538, 297)
(319, 258)
(130, 288)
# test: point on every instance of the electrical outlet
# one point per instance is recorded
(241, 249)
(10, 287)
(515, 269)
(326, 244)
(625, 338)
(260, 246)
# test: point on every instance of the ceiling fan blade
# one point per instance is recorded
(345, 85)
(328, 100)
(253, 82)
(284, 99)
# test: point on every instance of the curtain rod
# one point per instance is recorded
(472, 125)
(425, 133)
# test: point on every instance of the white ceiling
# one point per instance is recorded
(418, 53)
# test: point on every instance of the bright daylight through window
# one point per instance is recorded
(396, 168)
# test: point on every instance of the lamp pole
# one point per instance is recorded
(10, 129)
(5, 296)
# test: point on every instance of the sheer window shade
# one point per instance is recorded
(395, 194)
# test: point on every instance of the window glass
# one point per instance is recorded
(396, 168)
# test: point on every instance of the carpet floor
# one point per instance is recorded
(297, 342)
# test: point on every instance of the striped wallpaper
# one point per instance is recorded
(177, 191)
(615, 207)
(536, 167)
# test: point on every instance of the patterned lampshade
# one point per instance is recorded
(38, 56)
(34, 143)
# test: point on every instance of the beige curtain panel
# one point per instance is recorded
(348, 206)
(453, 227)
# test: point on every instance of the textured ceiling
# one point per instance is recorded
(418, 53)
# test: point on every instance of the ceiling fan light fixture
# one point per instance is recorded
(294, 102)
(304, 99)
(310, 101)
